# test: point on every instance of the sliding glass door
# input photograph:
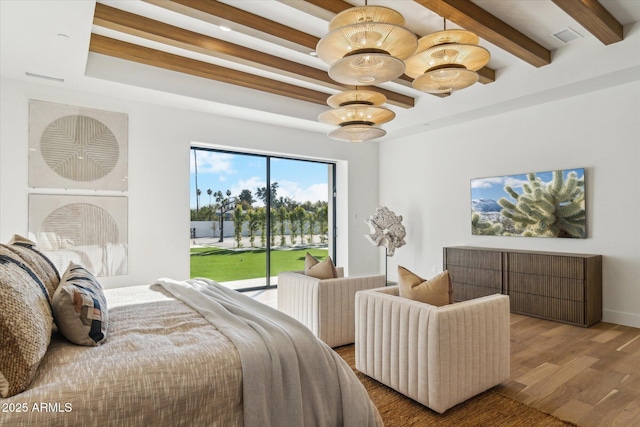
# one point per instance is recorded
(253, 216)
(300, 217)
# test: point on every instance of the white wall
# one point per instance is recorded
(599, 131)
(159, 141)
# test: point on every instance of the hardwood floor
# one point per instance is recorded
(588, 376)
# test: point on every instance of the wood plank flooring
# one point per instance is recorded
(588, 376)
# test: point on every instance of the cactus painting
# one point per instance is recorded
(541, 204)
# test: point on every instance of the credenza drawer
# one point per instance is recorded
(546, 265)
(555, 286)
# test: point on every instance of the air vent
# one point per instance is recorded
(567, 35)
(40, 76)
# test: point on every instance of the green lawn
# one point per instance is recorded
(225, 265)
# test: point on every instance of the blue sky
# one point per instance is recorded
(493, 188)
(298, 180)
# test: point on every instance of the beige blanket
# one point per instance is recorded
(290, 378)
(162, 364)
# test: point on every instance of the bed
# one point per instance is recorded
(184, 353)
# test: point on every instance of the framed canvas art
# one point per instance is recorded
(77, 148)
(537, 204)
(88, 230)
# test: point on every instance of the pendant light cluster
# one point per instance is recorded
(446, 61)
(357, 113)
(365, 46)
(369, 45)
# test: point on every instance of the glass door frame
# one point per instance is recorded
(331, 202)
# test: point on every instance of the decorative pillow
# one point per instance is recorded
(25, 323)
(80, 307)
(319, 269)
(38, 262)
(435, 291)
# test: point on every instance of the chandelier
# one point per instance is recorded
(358, 114)
(446, 61)
(366, 45)
(369, 45)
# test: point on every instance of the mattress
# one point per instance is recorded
(162, 364)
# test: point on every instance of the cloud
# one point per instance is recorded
(212, 162)
(487, 182)
(251, 184)
(514, 183)
(312, 193)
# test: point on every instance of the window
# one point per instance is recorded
(253, 216)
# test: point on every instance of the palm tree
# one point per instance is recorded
(209, 192)
(263, 194)
(195, 165)
(198, 193)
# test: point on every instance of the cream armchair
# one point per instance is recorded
(324, 306)
(438, 356)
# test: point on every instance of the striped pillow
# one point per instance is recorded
(38, 262)
(80, 307)
(25, 323)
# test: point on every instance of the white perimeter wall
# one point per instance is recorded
(159, 141)
(599, 131)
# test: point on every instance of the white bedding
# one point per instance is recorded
(290, 378)
(164, 364)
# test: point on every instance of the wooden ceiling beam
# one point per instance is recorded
(473, 18)
(594, 17)
(333, 6)
(129, 23)
(143, 55)
(219, 13)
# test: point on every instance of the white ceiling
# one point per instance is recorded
(51, 38)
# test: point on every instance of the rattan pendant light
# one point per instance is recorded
(446, 61)
(357, 113)
(366, 45)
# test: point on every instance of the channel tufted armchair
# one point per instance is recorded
(325, 306)
(437, 356)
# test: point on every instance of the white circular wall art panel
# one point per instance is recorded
(77, 148)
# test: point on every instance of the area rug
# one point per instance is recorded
(487, 409)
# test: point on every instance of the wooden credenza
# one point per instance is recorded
(557, 286)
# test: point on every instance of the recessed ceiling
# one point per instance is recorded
(174, 52)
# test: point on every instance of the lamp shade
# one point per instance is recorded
(357, 96)
(366, 45)
(446, 61)
(357, 133)
(445, 80)
(360, 14)
(446, 36)
(357, 113)
(366, 69)
(470, 56)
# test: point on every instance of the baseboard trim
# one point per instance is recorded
(621, 318)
